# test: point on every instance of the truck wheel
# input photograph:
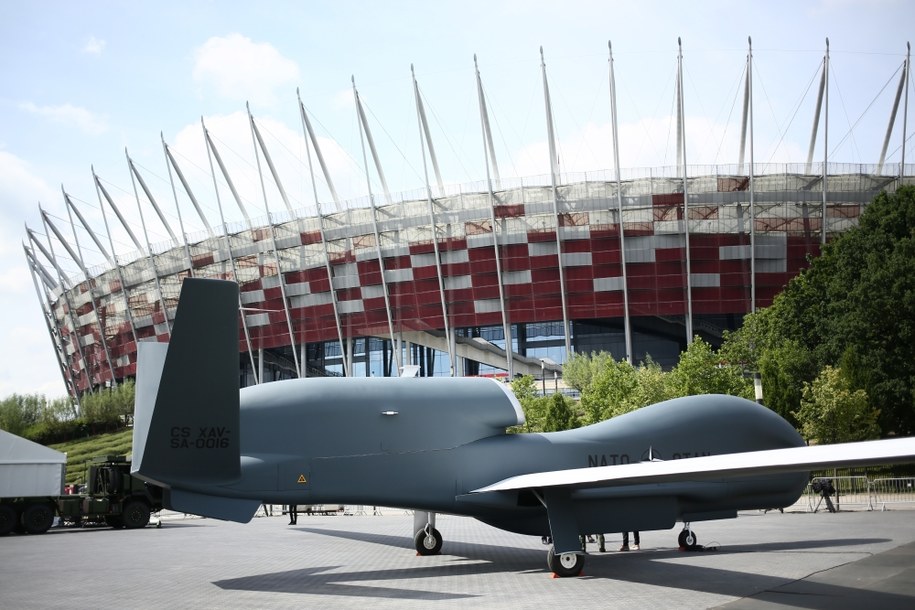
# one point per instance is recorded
(135, 514)
(37, 518)
(9, 517)
(114, 521)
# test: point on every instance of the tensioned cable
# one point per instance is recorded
(264, 129)
(577, 126)
(391, 138)
(797, 108)
(129, 194)
(851, 129)
(457, 156)
(727, 122)
(494, 118)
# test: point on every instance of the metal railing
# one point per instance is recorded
(899, 490)
(858, 492)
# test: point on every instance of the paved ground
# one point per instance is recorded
(797, 560)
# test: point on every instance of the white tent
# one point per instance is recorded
(28, 469)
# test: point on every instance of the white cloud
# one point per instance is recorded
(67, 114)
(241, 69)
(94, 46)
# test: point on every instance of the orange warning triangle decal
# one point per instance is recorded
(301, 479)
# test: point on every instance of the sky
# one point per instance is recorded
(83, 84)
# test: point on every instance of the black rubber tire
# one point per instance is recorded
(37, 518)
(565, 565)
(114, 521)
(135, 514)
(9, 518)
(428, 545)
(687, 539)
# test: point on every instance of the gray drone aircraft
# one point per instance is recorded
(439, 445)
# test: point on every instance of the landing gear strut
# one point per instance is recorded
(426, 539)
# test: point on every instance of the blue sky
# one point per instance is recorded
(83, 81)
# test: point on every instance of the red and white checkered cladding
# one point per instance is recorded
(590, 255)
(656, 266)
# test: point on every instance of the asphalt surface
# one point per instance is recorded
(760, 561)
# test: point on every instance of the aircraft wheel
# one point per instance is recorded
(428, 541)
(565, 564)
(687, 538)
(37, 518)
(9, 517)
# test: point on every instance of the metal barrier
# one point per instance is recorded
(858, 492)
(850, 491)
(893, 491)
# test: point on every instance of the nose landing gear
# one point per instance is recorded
(687, 538)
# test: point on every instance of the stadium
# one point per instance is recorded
(501, 277)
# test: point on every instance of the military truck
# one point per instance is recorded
(32, 490)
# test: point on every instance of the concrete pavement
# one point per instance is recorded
(762, 560)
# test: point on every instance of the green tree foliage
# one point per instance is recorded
(110, 406)
(35, 417)
(579, 370)
(608, 393)
(543, 413)
(533, 405)
(784, 369)
(832, 412)
(652, 385)
(854, 308)
(701, 370)
(19, 412)
(617, 387)
(559, 415)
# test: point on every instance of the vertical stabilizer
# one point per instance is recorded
(192, 433)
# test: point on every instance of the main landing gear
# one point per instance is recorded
(564, 565)
(426, 539)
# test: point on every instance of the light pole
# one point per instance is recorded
(542, 377)
(757, 387)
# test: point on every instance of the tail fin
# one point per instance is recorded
(186, 425)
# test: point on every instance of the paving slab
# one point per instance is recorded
(759, 560)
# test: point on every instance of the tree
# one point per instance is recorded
(608, 393)
(110, 406)
(701, 370)
(559, 415)
(578, 371)
(20, 411)
(854, 309)
(784, 369)
(652, 385)
(533, 405)
(832, 412)
(869, 275)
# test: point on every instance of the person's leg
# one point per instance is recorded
(625, 546)
(635, 541)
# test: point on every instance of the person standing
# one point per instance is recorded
(635, 541)
(293, 514)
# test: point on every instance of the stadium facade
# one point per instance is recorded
(635, 265)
